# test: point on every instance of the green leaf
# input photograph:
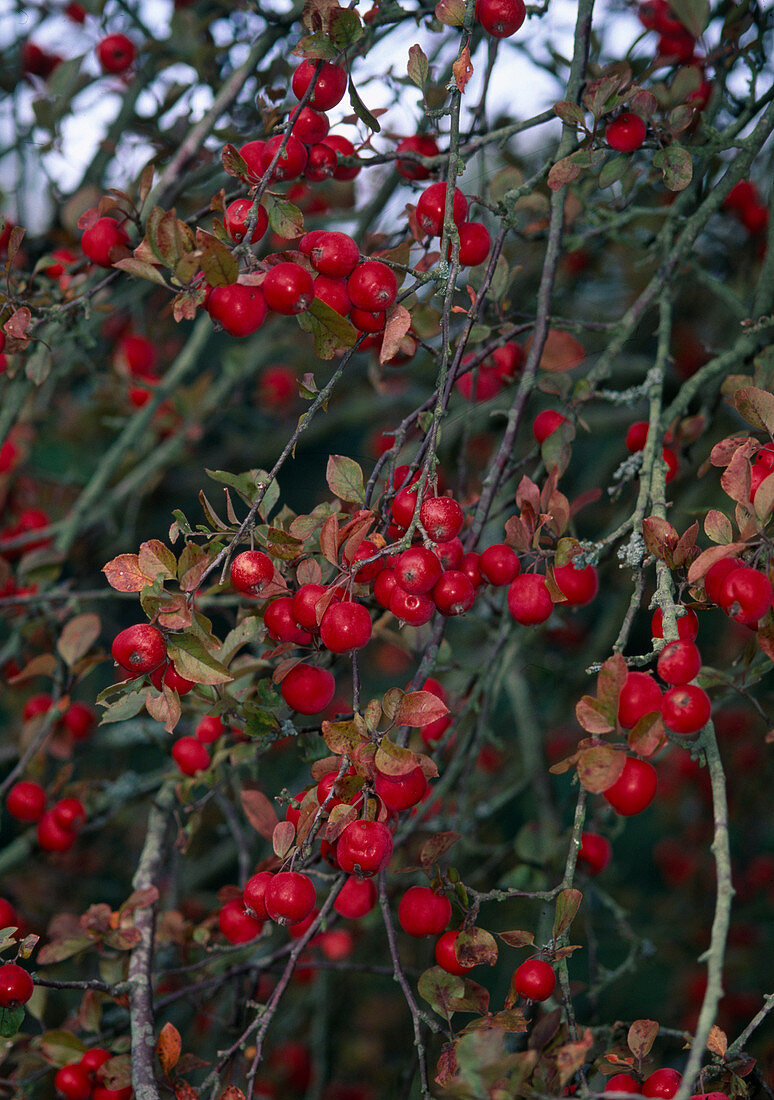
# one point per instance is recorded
(316, 47)
(10, 1020)
(125, 708)
(676, 166)
(141, 270)
(693, 14)
(570, 112)
(77, 637)
(450, 12)
(285, 219)
(193, 661)
(567, 905)
(330, 330)
(360, 108)
(345, 479)
(220, 266)
(344, 27)
(439, 989)
(392, 759)
(282, 545)
(418, 66)
(244, 484)
(612, 170)
(233, 163)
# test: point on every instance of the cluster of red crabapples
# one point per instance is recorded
(82, 1080)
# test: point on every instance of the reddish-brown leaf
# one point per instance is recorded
(168, 1047)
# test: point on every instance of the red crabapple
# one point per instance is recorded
(534, 980)
(139, 648)
(635, 788)
(529, 600)
(626, 133)
(364, 847)
(308, 689)
(500, 18)
(251, 571)
(423, 912)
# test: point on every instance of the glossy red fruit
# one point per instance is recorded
(364, 847)
(292, 159)
(37, 61)
(640, 695)
(417, 569)
(333, 292)
(404, 504)
(345, 626)
(662, 1083)
(252, 154)
(72, 1082)
(170, 677)
(309, 126)
(534, 980)
(529, 600)
(238, 308)
(687, 624)
(190, 755)
(686, 709)
(450, 554)
(412, 608)
(251, 571)
(453, 593)
(366, 549)
(290, 897)
(9, 918)
(139, 648)
(26, 801)
(475, 243)
(280, 622)
(210, 729)
(254, 894)
(320, 163)
(635, 788)
(441, 517)
(626, 133)
(70, 813)
(288, 289)
(92, 1059)
(499, 564)
(237, 216)
(331, 253)
(16, 986)
(356, 898)
(53, 837)
(677, 48)
(500, 18)
(236, 924)
(546, 423)
(623, 1082)
(446, 955)
(372, 286)
(308, 689)
(679, 663)
(399, 792)
(105, 242)
(116, 53)
(715, 577)
(745, 595)
(431, 206)
(79, 719)
(594, 853)
(101, 1092)
(421, 144)
(384, 586)
(343, 147)
(423, 912)
(580, 586)
(330, 84)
